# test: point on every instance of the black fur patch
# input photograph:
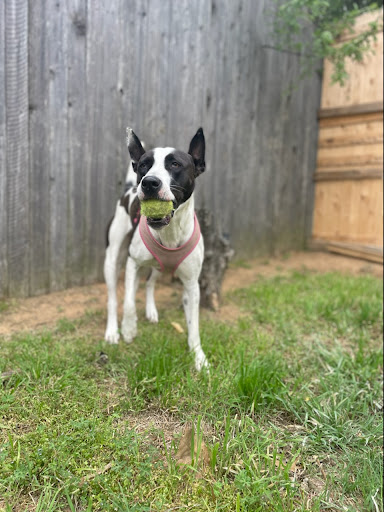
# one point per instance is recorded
(145, 163)
(134, 213)
(182, 170)
(124, 201)
(107, 232)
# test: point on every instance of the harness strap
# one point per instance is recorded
(168, 259)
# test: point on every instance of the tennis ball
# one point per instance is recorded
(156, 208)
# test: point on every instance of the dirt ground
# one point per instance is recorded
(45, 311)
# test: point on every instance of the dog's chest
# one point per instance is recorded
(169, 259)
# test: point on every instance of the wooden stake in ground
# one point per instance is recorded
(218, 253)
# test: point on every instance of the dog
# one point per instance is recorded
(173, 242)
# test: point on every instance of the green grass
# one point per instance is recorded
(4, 305)
(291, 410)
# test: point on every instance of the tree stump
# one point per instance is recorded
(218, 253)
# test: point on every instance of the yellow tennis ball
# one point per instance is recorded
(156, 208)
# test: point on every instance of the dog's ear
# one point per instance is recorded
(197, 151)
(135, 148)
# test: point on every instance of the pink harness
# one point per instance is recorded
(168, 259)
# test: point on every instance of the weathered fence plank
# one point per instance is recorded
(128, 86)
(165, 68)
(39, 141)
(187, 73)
(3, 176)
(57, 119)
(77, 157)
(17, 182)
(102, 76)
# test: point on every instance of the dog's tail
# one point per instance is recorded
(131, 178)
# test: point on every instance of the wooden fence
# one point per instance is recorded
(77, 72)
(348, 215)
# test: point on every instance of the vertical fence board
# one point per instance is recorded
(77, 157)
(203, 103)
(156, 64)
(102, 136)
(16, 99)
(231, 16)
(140, 45)
(252, 190)
(219, 152)
(57, 41)
(244, 84)
(207, 84)
(184, 74)
(307, 157)
(127, 102)
(3, 175)
(195, 107)
(39, 138)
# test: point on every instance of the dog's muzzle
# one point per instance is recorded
(151, 186)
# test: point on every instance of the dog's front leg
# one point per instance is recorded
(191, 301)
(129, 323)
(150, 309)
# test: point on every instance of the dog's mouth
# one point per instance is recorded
(159, 223)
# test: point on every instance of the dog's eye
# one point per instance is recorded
(175, 165)
(142, 166)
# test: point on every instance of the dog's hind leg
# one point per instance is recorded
(118, 230)
(150, 309)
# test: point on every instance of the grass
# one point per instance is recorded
(291, 411)
(4, 305)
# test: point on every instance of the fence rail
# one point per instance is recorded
(76, 72)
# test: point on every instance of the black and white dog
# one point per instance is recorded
(167, 174)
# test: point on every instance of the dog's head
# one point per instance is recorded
(167, 174)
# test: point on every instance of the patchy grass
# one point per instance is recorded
(4, 305)
(291, 411)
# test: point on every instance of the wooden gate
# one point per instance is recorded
(348, 208)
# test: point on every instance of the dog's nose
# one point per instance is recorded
(150, 184)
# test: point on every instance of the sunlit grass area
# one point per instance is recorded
(290, 413)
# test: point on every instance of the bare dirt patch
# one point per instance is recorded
(35, 313)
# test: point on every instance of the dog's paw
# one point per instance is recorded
(112, 336)
(201, 361)
(129, 331)
(152, 314)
